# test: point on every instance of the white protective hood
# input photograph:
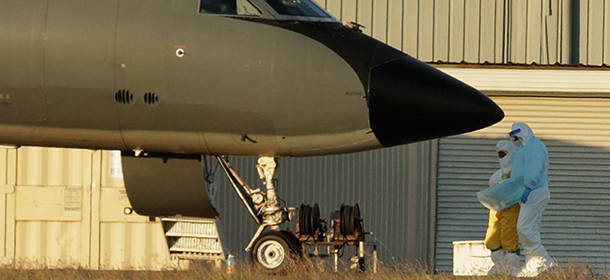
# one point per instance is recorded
(506, 163)
(522, 131)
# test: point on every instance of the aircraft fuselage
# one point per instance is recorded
(161, 76)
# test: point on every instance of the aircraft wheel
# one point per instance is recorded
(274, 251)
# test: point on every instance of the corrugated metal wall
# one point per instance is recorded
(64, 207)
(584, 83)
(8, 169)
(126, 241)
(574, 226)
(478, 31)
(394, 188)
(51, 224)
(595, 32)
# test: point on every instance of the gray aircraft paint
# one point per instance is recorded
(160, 77)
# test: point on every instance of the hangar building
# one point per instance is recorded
(544, 62)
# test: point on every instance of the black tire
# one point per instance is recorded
(294, 243)
(274, 251)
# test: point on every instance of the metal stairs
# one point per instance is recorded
(194, 239)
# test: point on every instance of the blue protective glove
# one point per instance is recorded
(525, 194)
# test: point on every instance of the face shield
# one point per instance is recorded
(523, 134)
(515, 138)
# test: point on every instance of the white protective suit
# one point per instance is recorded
(531, 165)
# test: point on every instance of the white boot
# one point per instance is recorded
(497, 257)
(511, 263)
(536, 262)
(532, 266)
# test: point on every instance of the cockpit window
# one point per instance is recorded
(304, 8)
(229, 7)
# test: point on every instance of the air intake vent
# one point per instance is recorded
(150, 98)
(123, 96)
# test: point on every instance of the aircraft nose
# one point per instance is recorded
(411, 101)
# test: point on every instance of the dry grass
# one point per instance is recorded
(247, 272)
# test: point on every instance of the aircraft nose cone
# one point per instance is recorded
(411, 101)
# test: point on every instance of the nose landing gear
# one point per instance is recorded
(276, 250)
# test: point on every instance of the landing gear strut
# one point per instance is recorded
(272, 249)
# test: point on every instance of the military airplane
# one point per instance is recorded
(167, 81)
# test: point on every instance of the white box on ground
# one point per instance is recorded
(471, 258)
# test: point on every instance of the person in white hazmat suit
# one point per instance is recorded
(528, 185)
(531, 162)
(501, 236)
